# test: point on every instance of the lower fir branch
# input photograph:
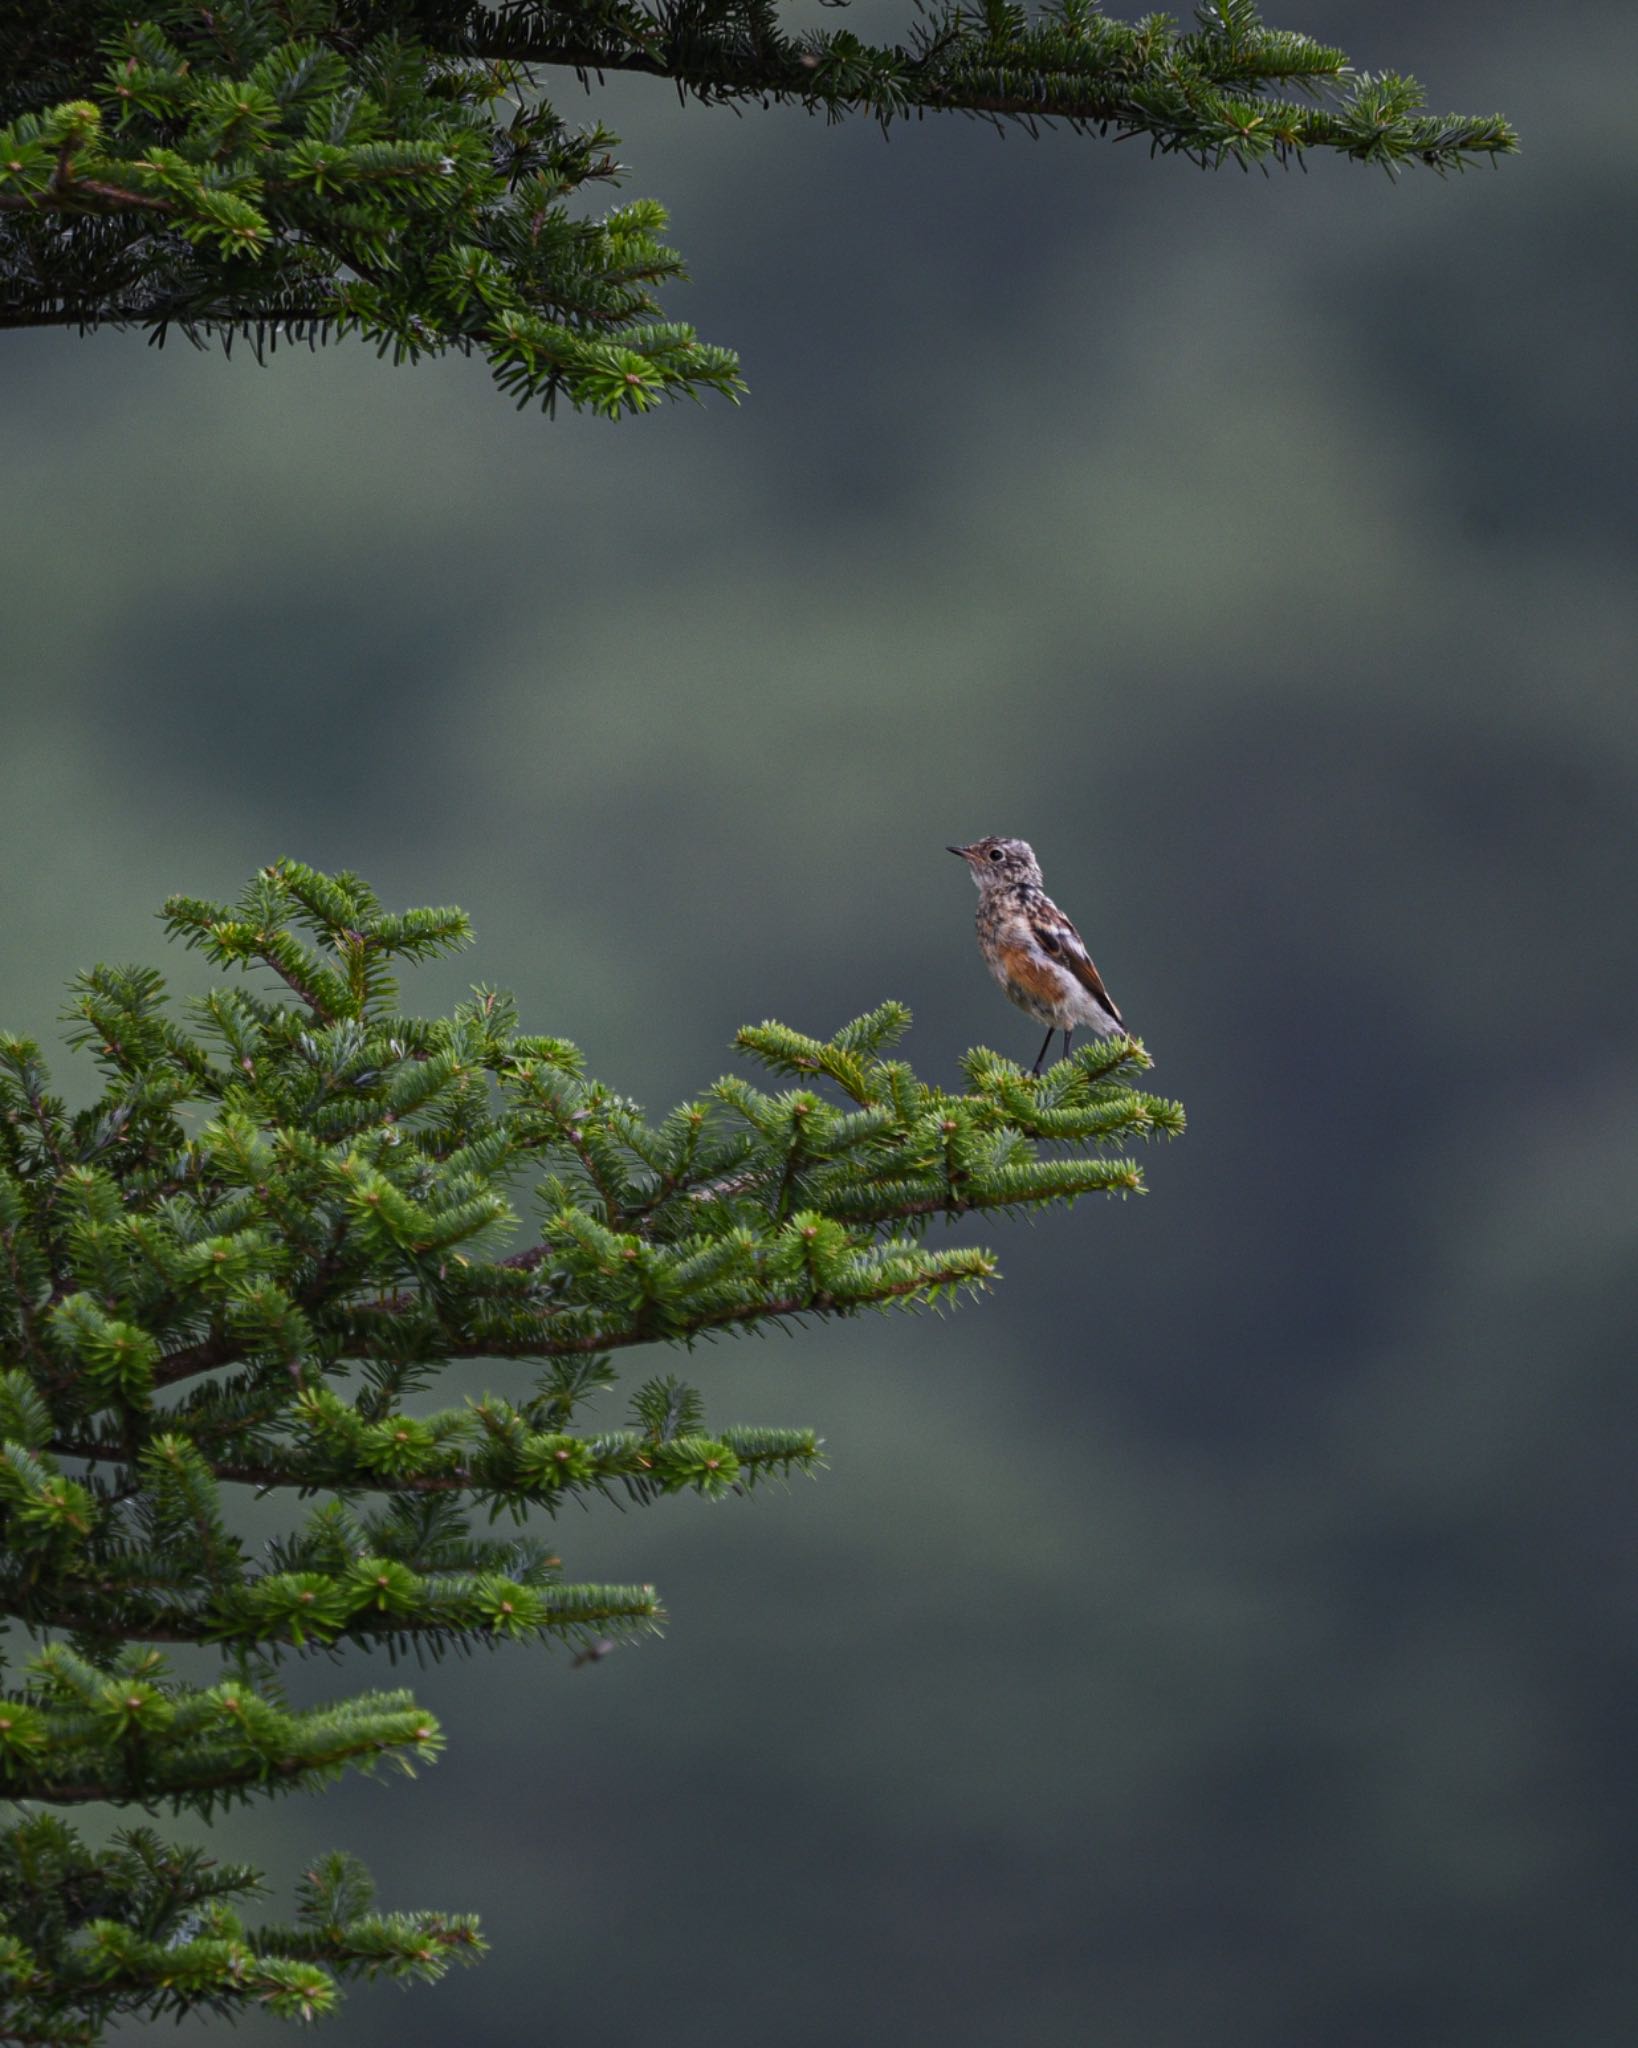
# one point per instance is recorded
(960, 1270)
(312, 1253)
(420, 1945)
(509, 1476)
(223, 1975)
(143, 1929)
(1033, 1186)
(145, 1777)
(476, 1616)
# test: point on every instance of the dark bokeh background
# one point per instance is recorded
(1223, 1635)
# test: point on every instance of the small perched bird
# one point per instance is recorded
(1032, 949)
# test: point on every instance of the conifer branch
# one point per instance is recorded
(392, 169)
(244, 1262)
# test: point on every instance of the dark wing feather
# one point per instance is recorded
(1060, 941)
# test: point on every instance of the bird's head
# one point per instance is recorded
(999, 863)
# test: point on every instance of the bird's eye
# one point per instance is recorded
(995, 853)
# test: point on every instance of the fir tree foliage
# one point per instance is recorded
(291, 1210)
(309, 169)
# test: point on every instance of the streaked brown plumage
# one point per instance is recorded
(1032, 949)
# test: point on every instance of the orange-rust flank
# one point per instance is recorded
(1037, 982)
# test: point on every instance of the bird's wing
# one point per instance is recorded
(1060, 941)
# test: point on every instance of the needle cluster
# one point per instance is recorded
(255, 1262)
(311, 169)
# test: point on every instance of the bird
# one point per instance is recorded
(1032, 949)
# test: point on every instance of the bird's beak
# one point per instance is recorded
(961, 850)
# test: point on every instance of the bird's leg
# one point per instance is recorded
(1041, 1055)
(1068, 1035)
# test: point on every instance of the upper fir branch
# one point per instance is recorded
(264, 174)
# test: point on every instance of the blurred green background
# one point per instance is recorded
(1223, 1635)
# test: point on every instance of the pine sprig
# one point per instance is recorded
(245, 1265)
(390, 170)
(121, 1731)
(87, 1935)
